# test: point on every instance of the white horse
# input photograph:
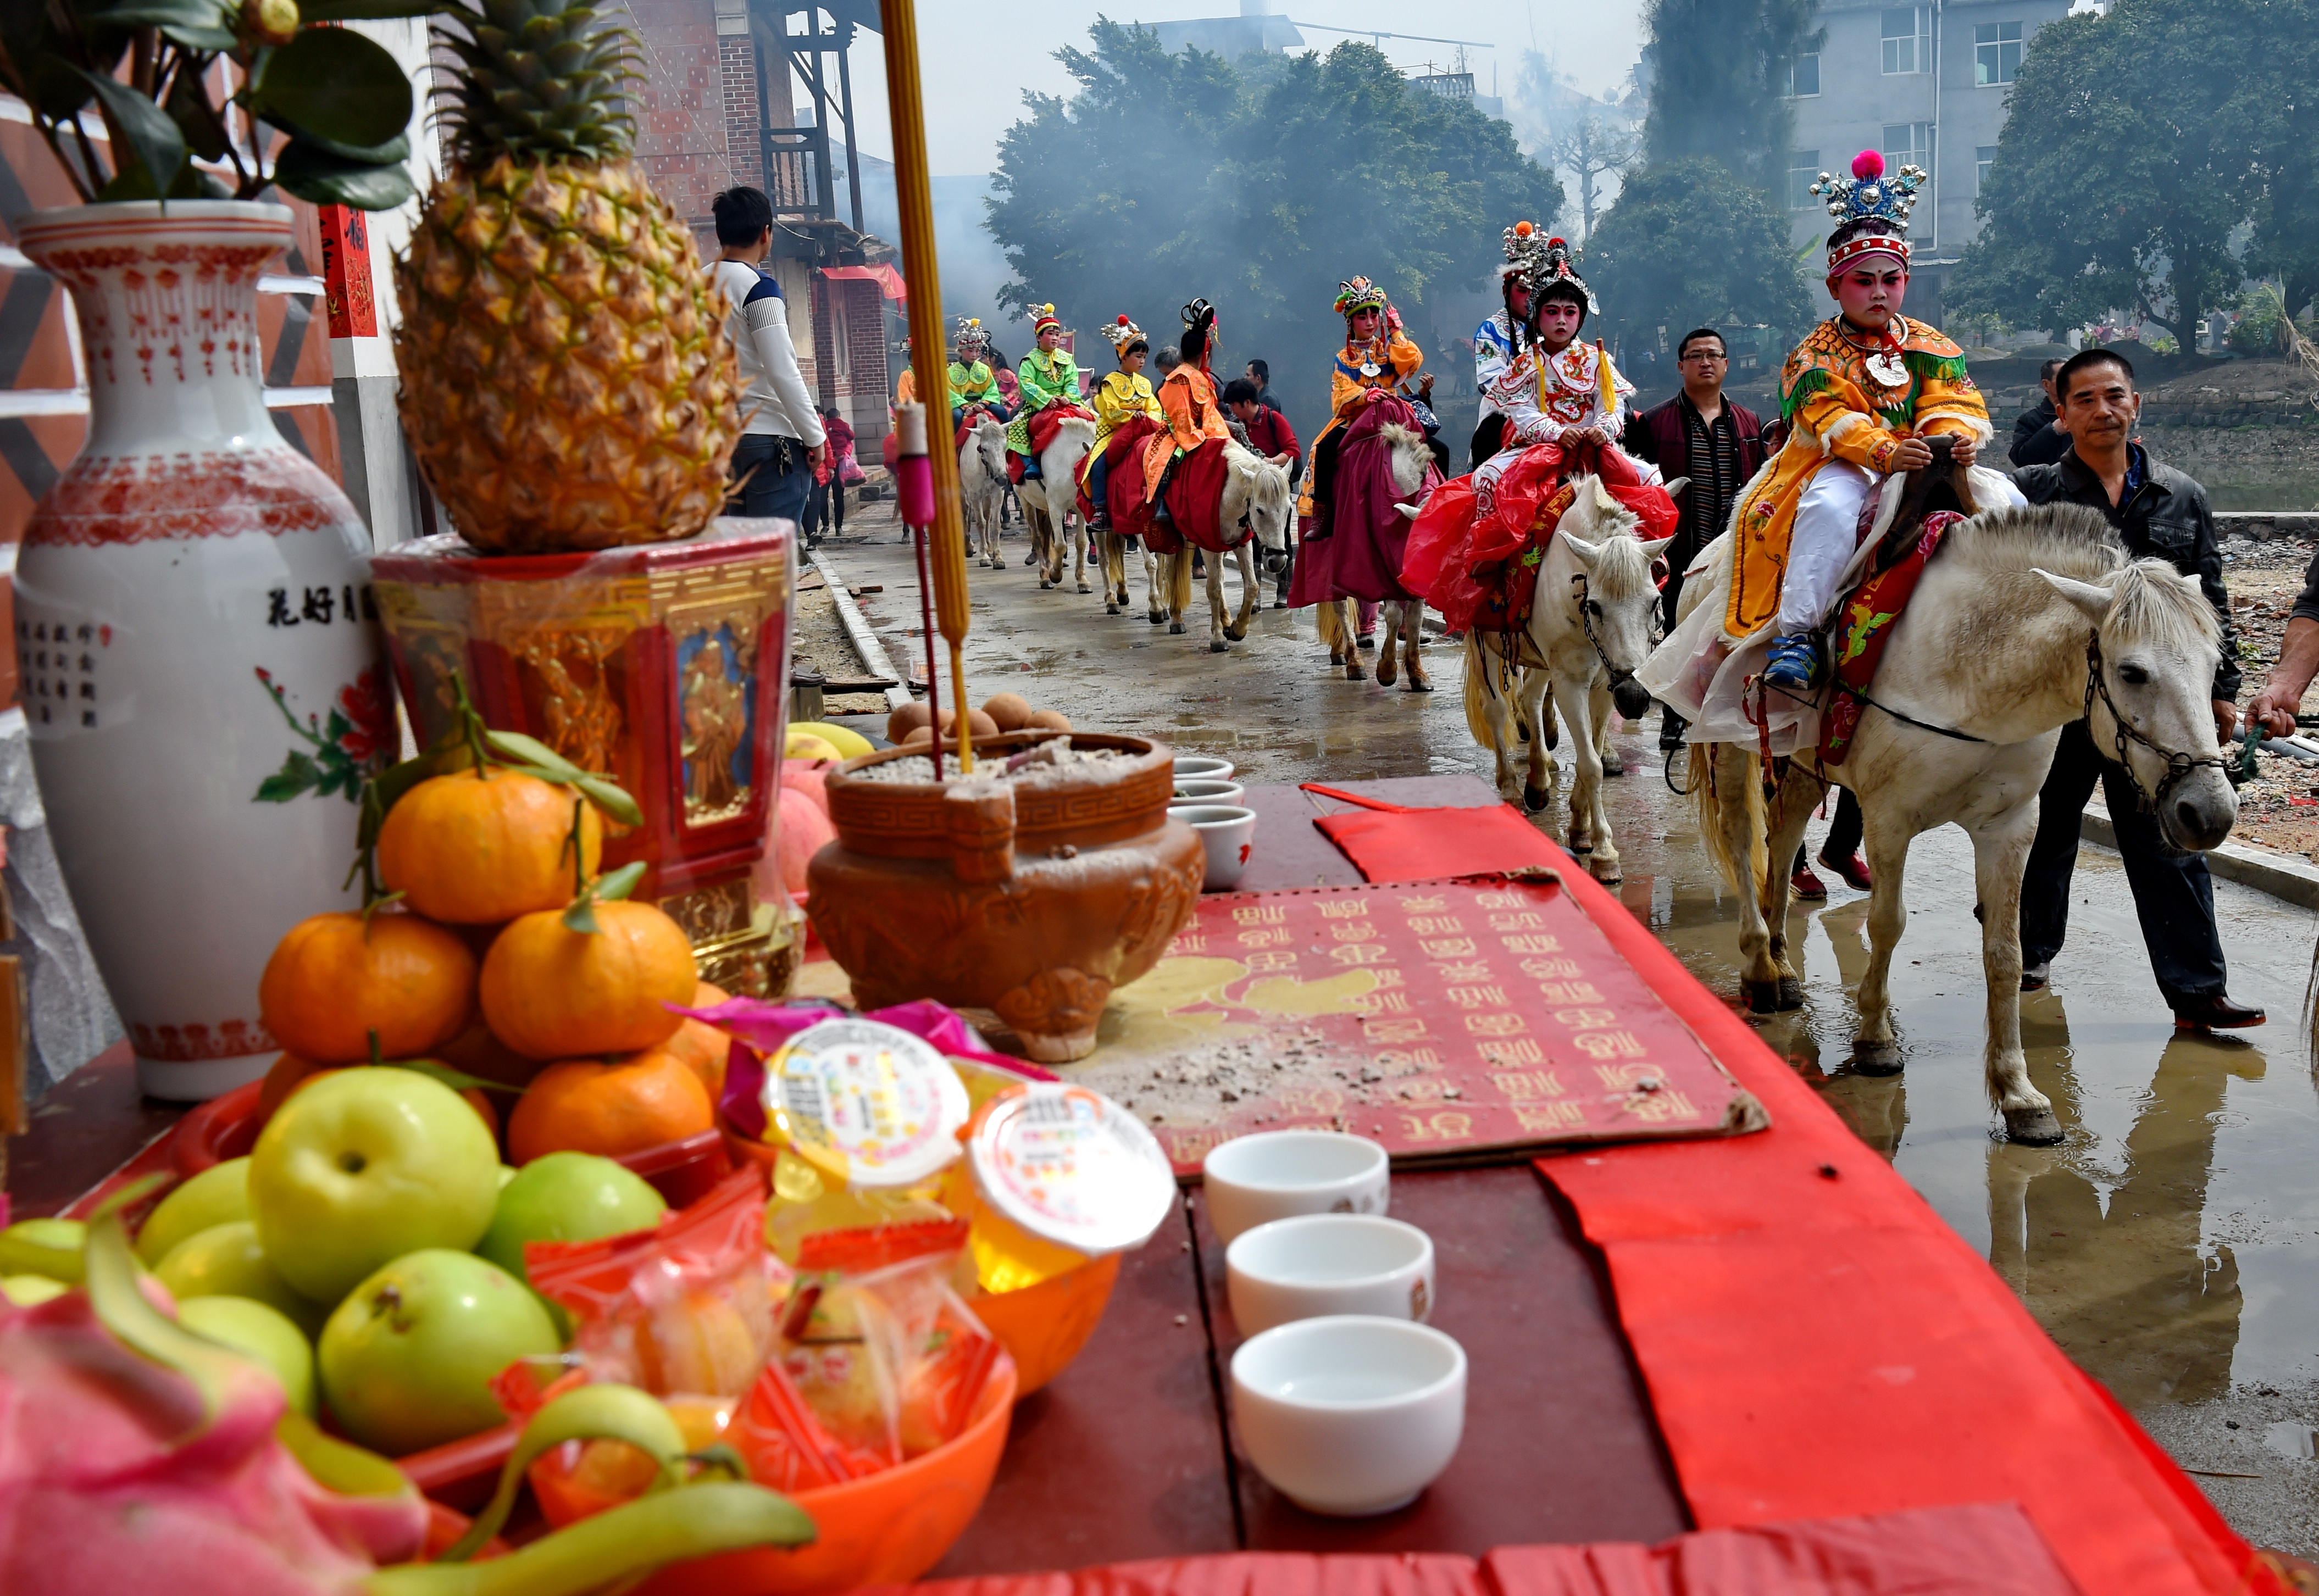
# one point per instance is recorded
(2025, 620)
(1255, 500)
(982, 486)
(1589, 630)
(1405, 629)
(1059, 463)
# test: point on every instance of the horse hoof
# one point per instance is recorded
(1233, 636)
(1155, 619)
(1609, 875)
(1420, 684)
(2033, 1127)
(1044, 584)
(1762, 996)
(1792, 993)
(1111, 609)
(1612, 765)
(1175, 628)
(1535, 798)
(1384, 674)
(1217, 645)
(1876, 1057)
(1085, 589)
(1352, 670)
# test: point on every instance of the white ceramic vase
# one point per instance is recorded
(195, 638)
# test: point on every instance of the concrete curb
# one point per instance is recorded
(857, 632)
(2282, 874)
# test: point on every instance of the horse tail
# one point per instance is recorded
(1708, 797)
(1328, 618)
(1477, 691)
(1179, 579)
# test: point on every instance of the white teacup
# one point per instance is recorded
(1350, 1415)
(1228, 833)
(1202, 767)
(1213, 793)
(1320, 1264)
(1251, 1180)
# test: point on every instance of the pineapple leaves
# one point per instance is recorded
(336, 84)
(351, 11)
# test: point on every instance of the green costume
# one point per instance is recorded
(1047, 379)
(974, 385)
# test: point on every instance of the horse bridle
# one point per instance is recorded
(1586, 621)
(2178, 764)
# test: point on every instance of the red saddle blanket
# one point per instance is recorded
(1863, 627)
(1123, 454)
(967, 421)
(1194, 492)
(1042, 428)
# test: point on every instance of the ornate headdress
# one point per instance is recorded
(1044, 317)
(1525, 251)
(1359, 294)
(1553, 265)
(971, 333)
(1871, 210)
(1199, 316)
(1121, 333)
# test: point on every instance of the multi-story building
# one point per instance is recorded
(1924, 83)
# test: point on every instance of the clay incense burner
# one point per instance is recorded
(1031, 897)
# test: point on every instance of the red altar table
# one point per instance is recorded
(1721, 1335)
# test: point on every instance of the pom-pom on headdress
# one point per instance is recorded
(1554, 265)
(1121, 333)
(1525, 251)
(1044, 317)
(1871, 210)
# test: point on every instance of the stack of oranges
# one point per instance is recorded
(480, 963)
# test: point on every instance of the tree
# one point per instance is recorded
(2121, 174)
(2286, 243)
(1720, 81)
(1258, 185)
(1688, 246)
(1590, 148)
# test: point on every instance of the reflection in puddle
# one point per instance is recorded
(2291, 1440)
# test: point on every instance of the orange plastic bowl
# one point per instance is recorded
(1042, 1326)
(888, 1529)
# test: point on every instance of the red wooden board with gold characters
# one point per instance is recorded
(1454, 1022)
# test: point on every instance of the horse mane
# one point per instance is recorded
(2154, 603)
(2067, 539)
(1623, 571)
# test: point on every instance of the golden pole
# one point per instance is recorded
(929, 349)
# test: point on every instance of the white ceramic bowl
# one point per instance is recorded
(1320, 1264)
(1252, 1180)
(1208, 791)
(1350, 1416)
(1228, 833)
(1202, 767)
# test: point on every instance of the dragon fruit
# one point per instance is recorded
(135, 1453)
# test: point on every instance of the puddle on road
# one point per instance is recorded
(2171, 1244)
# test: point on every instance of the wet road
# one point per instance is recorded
(2171, 1244)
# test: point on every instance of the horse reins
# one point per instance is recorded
(2177, 763)
(1586, 621)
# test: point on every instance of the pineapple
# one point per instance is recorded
(567, 381)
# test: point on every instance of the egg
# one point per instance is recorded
(1010, 710)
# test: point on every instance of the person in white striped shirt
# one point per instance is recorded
(782, 439)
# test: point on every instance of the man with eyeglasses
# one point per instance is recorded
(1716, 444)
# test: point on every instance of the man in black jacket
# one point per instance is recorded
(2037, 438)
(2157, 511)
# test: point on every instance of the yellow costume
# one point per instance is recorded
(1120, 397)
(1837, 409)
(1380, 366)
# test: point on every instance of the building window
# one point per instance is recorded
(1803, 171)
(1909, 144)
(1803, 76)
(1984, 156)
(1995, 53)
(1908, 39)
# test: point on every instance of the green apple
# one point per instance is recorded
(218, 1196)
(365, 1165)
(50, 1247)
(567, 1197)
(228, 1260)
(28, 1290)
(263, 1333)
(408, 1358)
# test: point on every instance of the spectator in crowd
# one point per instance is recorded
(827, 506)
(2036, 439)
(1167, 359)
(781, 444)
(1270, 435)
(2156, 512)
(1259, 374)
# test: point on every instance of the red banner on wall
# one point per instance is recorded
(346, 273)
